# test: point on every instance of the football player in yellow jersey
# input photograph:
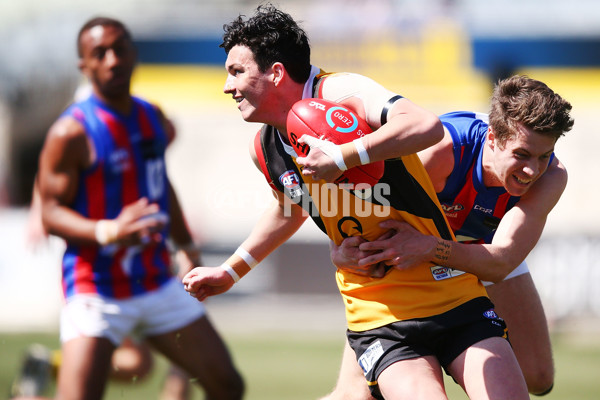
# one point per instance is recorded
(404, 327)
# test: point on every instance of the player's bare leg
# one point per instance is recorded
(85, 368)
(415, 379)
(489, 370)
(517, 301)
(200, 351)
(351, 383)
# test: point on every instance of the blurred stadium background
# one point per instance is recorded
(442, 54)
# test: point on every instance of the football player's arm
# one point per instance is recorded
(518, 231)
(517, 234)
(272, 229)
(439, 162)
(167, 125)
(408, 130)
(400, 127)
(35, 232)
(276, 225)
(188, 254)
(65, 154)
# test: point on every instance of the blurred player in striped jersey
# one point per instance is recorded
(104, 189)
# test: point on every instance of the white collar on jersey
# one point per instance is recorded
(307, 93)
(308, 86)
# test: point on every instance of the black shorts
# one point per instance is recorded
(444, 336)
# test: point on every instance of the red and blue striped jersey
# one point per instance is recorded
(129, 165)
(472, 209)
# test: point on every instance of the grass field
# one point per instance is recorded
(294, 367)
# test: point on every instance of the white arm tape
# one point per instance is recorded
(330, 149)
(247, 257)
(231, 272)
(362, 152)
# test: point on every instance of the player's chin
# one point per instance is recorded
(517, 188)
(250, 116)
(246, 110)
(115, 90)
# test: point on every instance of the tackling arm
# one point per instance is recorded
(518, 231)
(517, 234)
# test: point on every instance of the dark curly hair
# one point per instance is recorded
(522, 100)
(272, 36)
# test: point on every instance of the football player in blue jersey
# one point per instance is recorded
(497, 181)
(104, 189)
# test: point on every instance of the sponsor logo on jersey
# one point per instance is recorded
(349, 226)
(440, 272)
(368, 359)
(290, 181)
(490, 314)
(450, 208)
(482, 209)
(119, 160)
(493, 317)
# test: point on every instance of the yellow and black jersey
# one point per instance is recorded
(404, 193)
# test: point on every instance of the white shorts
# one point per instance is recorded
(163, 310)
(520, 270)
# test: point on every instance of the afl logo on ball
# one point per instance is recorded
(341, 119)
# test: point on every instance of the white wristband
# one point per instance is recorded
(362, 152)
(106, 231)
(231, 272)
(330, 149)
(247, 257)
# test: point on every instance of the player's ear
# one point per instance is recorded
(81, 66)
(278, 73)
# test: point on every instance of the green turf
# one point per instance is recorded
(286, 367)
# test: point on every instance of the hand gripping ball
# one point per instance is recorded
(331, 121)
